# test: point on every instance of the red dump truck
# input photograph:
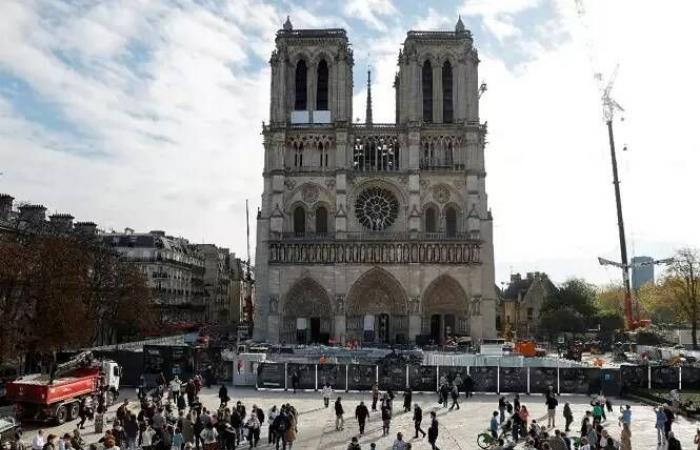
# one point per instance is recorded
(57, 397)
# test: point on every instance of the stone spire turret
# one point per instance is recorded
(459, 28)
(287, 25)
(368, 114)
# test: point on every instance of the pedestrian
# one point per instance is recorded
(228, 437)
(271, 417)
(584, 444)
(77, 442)
(131, 430)
(209, 437)
(516, 403)
(626, 416)
(361, 414)
(670, 417)
(696, 440)
(433, 431)
(609, 444)
(236, 423)
(279, 427)
(557, 442)
(253, 425)
(146, 437)
(375, 396)
(455, 395)
(178, 441)
(673, 443)
(327, 392)
(386, 420)
(660, 424)
(417, 419)
(223, 396)
(568, 416)
(354, 445)
(39, 441)
(626, 438)
(407, 398)
(468, 385)
(552, 403)
(444, 394)
(190, 392)
(339, 423)
(597, 413)
(291, 435)
(175, 386)
(295, 380)
(493, 426)
(399, 443)
(502, 409)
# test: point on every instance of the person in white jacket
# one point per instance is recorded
(327, 392)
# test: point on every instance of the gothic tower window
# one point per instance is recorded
(300, 86)
(447, 109)
(299, 220)
(322, 86)
(427, 77)
(451, 221)
(321, 220)
(430, 220)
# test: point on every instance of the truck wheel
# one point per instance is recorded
(61, 415)
(73, 410)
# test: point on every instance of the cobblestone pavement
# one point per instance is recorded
(458, 428)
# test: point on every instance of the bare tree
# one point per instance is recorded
(683, 286)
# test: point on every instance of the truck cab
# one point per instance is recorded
(111, 376)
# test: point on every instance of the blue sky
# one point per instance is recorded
(147, 114)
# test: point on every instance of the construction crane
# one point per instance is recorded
(610, 108)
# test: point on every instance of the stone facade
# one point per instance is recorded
(522, 302)
(374, 232)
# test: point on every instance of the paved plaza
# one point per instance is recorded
(458, 428)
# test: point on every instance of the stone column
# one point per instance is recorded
(437, 91)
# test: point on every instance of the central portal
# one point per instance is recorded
(377, 309)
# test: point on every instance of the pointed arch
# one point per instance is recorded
(299, 220)
(447, 106)
(321, 220)
(306, 312)
(322, 83)
(427, 89)
(431, 219)
(445, 309)
(376, 292)
(451, 221)
(300, 94)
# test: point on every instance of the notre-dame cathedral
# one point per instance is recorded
(374, 232)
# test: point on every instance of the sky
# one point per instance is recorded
(147, 114)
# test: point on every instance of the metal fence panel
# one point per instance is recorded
(542, 379)
(422, 378)
(392, 377)
(332, 373)
(307, 375)
(361, 377)
(579, 380)
(513, 379)
(485, 378)
(271, 376)
(664, 377)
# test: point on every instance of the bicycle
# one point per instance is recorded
(485, 440)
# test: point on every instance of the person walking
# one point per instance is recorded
(673, 443)
(39, 441)
(327, 391)
(223, 396)
(209, 437)
(454, 391)
(386, 420)
(625, 438)
(468, 385)
(660, 424)
(271, 417)
(361, 414)
(493, 425)
(433, 431)
(417, 419)
(375, 396)
(339, 422)
(568, 416)
(552, 403)
(295, 380)
(502, 409)
(146, 437)
(407, 399)
(444, 394)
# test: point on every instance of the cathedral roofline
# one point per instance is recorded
(313, 33)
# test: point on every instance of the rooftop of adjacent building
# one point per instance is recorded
(519, 286)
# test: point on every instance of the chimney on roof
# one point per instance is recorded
(158, 233)
(514, 277)
(86, 228)
(32, 214)
(5, 206)
(62, 222)
(530, 275)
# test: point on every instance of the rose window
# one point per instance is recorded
(376, 208)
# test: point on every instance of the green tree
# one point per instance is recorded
(682, 285)
(561, 320)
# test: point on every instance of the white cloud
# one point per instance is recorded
(497, 16)
(373, 12)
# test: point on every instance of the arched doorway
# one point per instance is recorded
(445, 309)
(306, 313)
(377, 309)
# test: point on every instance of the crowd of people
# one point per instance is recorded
(170, 416)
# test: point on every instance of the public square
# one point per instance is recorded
(458, 428)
